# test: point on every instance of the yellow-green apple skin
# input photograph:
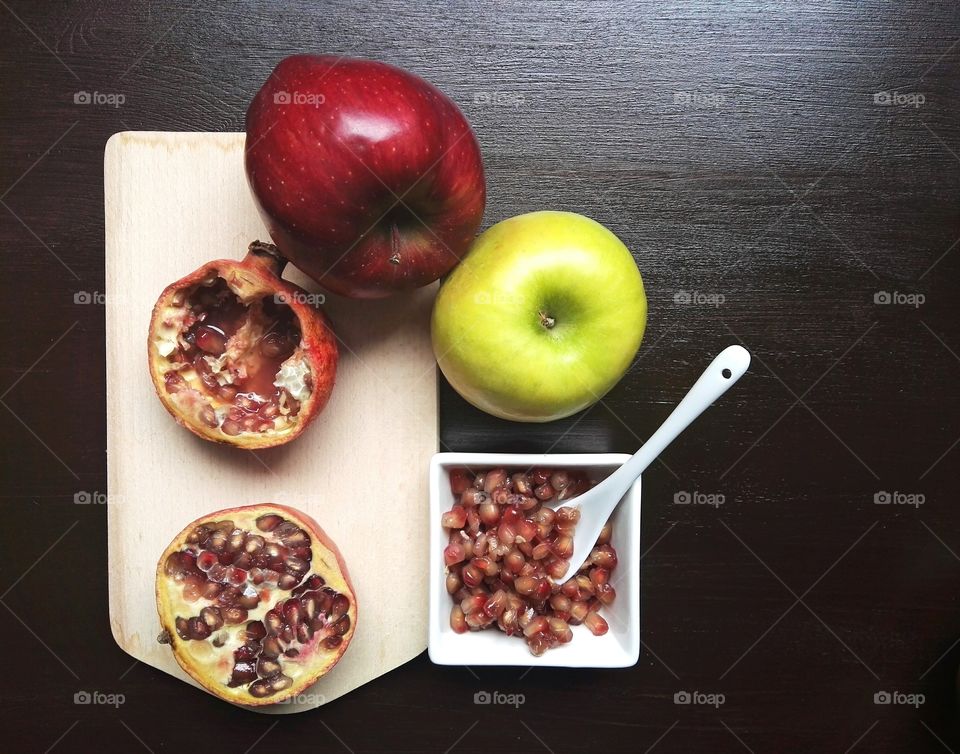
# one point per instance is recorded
(543, 316)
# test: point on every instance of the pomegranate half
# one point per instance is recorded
(240, 356)
(256, 603)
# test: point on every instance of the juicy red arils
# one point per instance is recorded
(271, 622)
(509, 554)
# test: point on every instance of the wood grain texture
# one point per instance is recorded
(793, 195)
(175, 201)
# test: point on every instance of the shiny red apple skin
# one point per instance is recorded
(368, 178)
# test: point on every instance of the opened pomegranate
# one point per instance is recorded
(256, 603)
(509, 555)
(238, 355)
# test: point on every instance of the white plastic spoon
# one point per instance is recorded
(597, 504)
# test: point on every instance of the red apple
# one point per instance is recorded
(368, 178)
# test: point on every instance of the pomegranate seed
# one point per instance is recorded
(557, 568)
(453, 554)
(457, 620)
(525, 503)
(212, 618)
(455, 518)
(606, 594)
(233, 615)
(210, 590)
(559, 480)
(332, 642)
(244, 671)
(560, 603)
(473, 522)
(235, 541)
(191, 592)
(578, 611)
(288, 581)
(526, 531)
(563, 546)
(236, 576)
(291, 611)
(493, 479)
(206, 560)
(489, 514)
(541, 551)
(525, 585)
(460, 480)
(472, 497)
(538, 644)
(269, 522)
(599, 576)
(339, 607)
(539, 476)
(502, 496)
(542, 590)
(453, 582)
(506, 534)
(270, 647)
(295, 566)
(255, 630)
(560, 629)
(471, 575)
(473, 603)
(605, 533)
(536, 626)
(585, 584)
(480, 545)
(521, 484)
(544, 516)
(478, 480)
(604, 556)
(595, 622)
(514, 561)
(267, 667)
(496, 604)
(544, 492)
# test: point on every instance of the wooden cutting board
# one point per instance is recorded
(173, 202)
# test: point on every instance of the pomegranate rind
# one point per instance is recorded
(253, 278)
(327, 561)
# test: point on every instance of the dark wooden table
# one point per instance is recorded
(787, 176)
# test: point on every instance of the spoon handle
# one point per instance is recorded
(728, 367)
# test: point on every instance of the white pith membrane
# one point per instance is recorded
(234, 366)
(508, 557)
(301, 627)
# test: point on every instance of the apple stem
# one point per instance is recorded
(268, 256)
(395, 243)
(546, 320)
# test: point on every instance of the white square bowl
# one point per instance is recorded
(618, 648)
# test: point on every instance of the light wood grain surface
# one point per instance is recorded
(173, 202)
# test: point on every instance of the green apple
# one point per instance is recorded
(542, 317)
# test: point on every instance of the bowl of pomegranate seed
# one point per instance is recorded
(502, 528)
